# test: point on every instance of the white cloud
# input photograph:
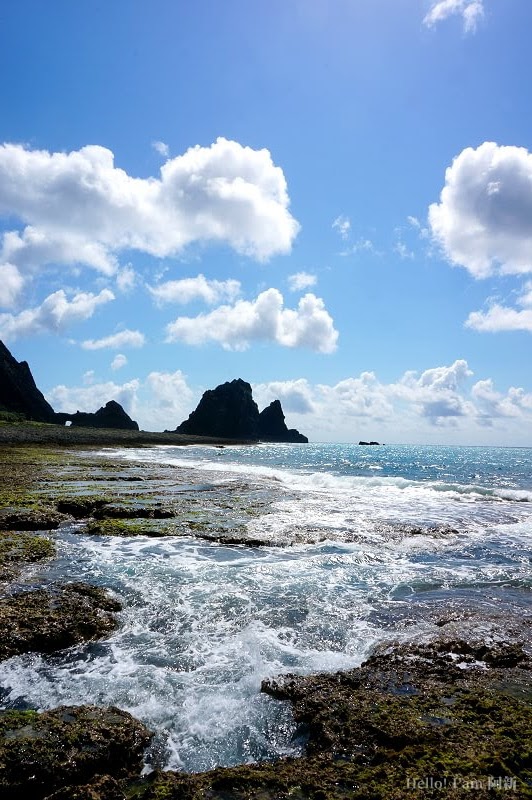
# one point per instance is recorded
(162, 400)
(483, 221)
(504, 318)
(301, 281)
(118, 361)
(91, 398)
(263, 319)
(500, 318)
(471, 11)
(125, 338)
(343, 225)
(52, 243)
(78, 208)
(362, 245)
(11, 284)
(199, 288)
(126, 279)
(55, 314)
(161, 148)
(403, 251)
(171, 399)
(414, 408)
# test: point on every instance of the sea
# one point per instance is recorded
(365, 547)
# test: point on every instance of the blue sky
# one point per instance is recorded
(331, 200)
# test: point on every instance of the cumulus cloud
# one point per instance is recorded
(172, 399)
(55, 314)
(436, 392)
(91, 398)
(505, 318)
(263, 319)
(11, 284)
(125, 338)
(415, 407)
(79, 208)
(471, 11)
(301, 281)
(199, 288)
(118, 362)
(483, 221)
(500, 318)
(161, 400)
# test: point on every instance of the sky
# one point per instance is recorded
(331, 199)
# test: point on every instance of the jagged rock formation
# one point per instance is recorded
(112, 415)
(18, 392)
(229, 412)
(272, 427)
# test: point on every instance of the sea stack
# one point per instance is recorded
(230, 412)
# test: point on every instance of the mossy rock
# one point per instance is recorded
(41, 754)
(55, 618)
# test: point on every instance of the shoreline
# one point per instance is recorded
(454, 709)
(71, 436)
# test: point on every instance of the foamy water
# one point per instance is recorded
(369, 545)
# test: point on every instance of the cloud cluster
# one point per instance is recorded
(415, 406)
(264, 319)
(471, 11)
(187, 290)
(55, 314)
(483, 221)
(79, 208)
(161, 400)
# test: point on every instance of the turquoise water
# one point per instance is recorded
(368, 544)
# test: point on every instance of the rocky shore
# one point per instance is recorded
(446, 716)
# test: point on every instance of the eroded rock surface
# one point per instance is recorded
(41, 754)
(46, 620)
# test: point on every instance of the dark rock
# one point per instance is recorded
(370, 444)
(112, 415)
(102, 788)
(228, 412)
(42, 754)
(18, 392)
(272, 427)
(28, 519)
(56, 618)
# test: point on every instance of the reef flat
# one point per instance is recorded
(446, 716)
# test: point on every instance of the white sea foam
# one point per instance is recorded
(203, 624)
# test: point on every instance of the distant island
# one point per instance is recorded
(226, 412)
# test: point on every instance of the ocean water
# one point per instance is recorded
(365, 545)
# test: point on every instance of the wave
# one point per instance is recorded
(320, 480)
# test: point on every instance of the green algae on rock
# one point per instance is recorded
(42, 753)
(55, 618)
(17, 549)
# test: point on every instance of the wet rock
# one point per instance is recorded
(42, 754)
(18, 548)
(55, 618)
(102, 788)
(80, 507)
(29, 519)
